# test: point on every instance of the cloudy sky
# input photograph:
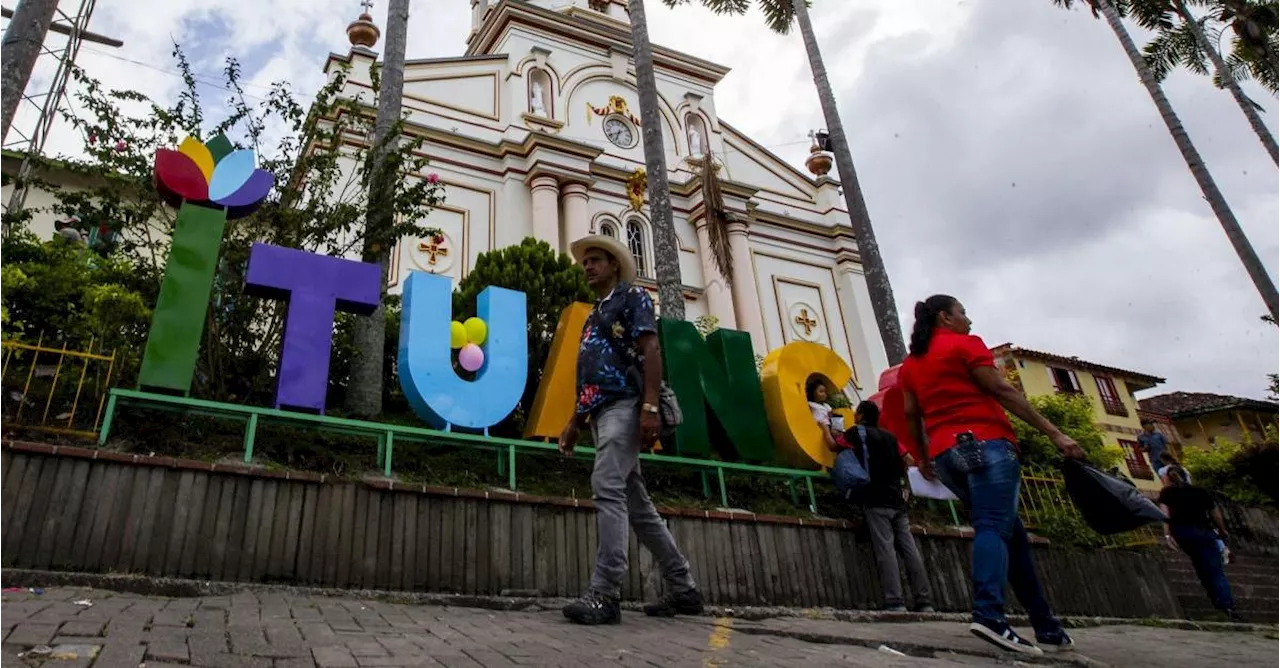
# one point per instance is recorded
(1008, 155)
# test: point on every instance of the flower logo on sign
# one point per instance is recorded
(466, 338)
(212, 174)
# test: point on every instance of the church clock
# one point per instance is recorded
(619, 131)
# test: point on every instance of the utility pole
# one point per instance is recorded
(364, 392)
(23, 41)
(16, 75)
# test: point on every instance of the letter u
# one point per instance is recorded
(434, 390)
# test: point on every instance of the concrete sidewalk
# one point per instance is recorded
(285, 630)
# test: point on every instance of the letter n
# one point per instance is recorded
(719, 392)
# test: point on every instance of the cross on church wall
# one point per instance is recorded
(434, 250)
(806, 322)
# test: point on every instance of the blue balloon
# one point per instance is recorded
(435, 391)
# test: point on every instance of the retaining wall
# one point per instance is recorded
(77, 509)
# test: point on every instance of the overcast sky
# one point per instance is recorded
(1008, 154)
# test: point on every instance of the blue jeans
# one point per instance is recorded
(1206, 557)
(1001, 550)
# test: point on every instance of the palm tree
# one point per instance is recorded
(666, 247)
(778, 16)
(1255, 24)
(1244, 250)
(1183, 41)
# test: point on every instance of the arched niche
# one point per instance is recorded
(541, 99)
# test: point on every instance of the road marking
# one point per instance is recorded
(718, 640)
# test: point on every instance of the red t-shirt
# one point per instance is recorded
(950, 401)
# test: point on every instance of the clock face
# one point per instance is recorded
(619, 132)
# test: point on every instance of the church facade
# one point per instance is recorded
(535, 131)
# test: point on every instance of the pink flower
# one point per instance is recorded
(433, 178)
(120, 146)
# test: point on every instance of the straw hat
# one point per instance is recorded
(606, 243)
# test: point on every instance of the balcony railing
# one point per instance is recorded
(1114, 407)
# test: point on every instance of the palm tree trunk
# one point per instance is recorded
(666, 247)
(1248, 257)
(882, 302)
(1229, 82)
(364, 393)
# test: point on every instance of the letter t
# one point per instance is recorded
(314, 286)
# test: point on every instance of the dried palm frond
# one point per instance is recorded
(717, 217)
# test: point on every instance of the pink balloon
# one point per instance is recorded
(471, 357)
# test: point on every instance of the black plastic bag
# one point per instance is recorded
(1108, 504)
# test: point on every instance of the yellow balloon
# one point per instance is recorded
(476, 330)
(457, 335)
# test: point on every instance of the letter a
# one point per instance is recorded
(434, 390)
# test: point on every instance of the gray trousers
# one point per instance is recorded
(621, 500)
(889, 527)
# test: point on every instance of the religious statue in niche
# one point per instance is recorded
(537, 104)
(695, 141)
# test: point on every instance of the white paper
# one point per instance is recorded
(927, 489)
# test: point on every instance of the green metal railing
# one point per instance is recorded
(388, 435)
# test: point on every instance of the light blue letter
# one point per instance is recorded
(433, 388)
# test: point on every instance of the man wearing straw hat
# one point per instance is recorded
(619, 375)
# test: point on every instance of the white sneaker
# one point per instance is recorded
(1004, 638)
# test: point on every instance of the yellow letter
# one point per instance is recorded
(795, 433)
(554, 402)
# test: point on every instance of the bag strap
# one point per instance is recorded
(866, 449)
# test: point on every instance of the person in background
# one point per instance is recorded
(1192, 518)
(1168, 464)
(885, 503)
(1152, 441)
(816, 392)
(955, 401)
(619, 337)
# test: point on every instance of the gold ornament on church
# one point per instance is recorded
(615, 105)
(637, 183)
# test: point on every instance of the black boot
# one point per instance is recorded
(672, 604)
(593, 609)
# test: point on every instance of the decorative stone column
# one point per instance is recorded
(719, 297)
(746, 299)
(545, 191)
(869, 358)
(576, 221)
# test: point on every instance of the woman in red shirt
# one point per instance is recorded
(955, 402)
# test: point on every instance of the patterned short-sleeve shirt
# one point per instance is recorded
(608, 351)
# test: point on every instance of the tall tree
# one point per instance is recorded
(666, 247)
(1244, 250)
(1183, 39)
(778, 16)
(364, 395)
(1254, 22)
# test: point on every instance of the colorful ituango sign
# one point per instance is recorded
(743, 415)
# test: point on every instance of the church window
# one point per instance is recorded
(637, 243)
(609, 230)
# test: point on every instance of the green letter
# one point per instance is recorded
(718, 374)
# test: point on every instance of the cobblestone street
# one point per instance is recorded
(278, 630)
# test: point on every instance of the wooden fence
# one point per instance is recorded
(84, 510)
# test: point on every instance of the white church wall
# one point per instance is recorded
(799, 302)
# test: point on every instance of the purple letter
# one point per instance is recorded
(314, 286)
